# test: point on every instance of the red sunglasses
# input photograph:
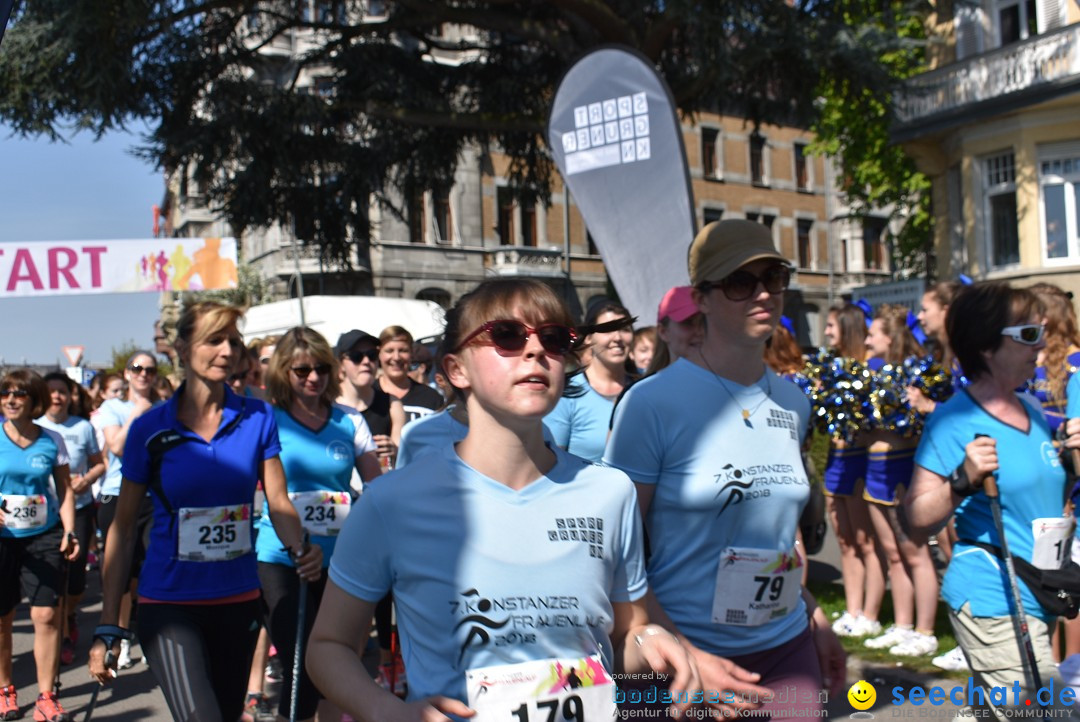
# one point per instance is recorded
(510, 335)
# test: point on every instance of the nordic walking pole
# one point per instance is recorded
(1020, 625)
(298, 651)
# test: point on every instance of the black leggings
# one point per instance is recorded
(281, 592)
(200, 655)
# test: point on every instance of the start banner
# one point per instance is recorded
(46, 268)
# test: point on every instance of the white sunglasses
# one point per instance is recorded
(1029, 334)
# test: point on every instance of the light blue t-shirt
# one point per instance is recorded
(314, 461)
(81, 442)
(720, 483)
(580, 424)
(27, 472)
(485, 575)
(114, 412)
(433, 432)
(1030, 481)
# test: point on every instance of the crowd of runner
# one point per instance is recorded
(538, 514)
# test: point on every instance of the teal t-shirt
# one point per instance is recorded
(27, 473)
(1031, 485)
(320, 460)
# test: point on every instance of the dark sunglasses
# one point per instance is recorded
(740, 285)
(148, 370)
(304, 371)
(1029, 334)
(372, 355)
(234, 378)
(17, 393)
(511, 335)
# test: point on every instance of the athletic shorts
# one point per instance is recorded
(35, 561)
(885, 471)
(145, 518)
(844, 469)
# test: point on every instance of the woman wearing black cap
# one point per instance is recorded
(358, 352)
(714, 445)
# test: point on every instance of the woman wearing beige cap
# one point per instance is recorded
(714, 446)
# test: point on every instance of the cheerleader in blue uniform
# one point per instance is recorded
(888, 474)
(845, 473)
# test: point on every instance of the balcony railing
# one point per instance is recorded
(526, 261)
(1039, 63)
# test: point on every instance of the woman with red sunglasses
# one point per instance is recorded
(517, 568)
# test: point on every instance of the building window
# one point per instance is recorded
(804, 241)
(528, 224)
(874, 244)
(591, 244)
(763, 218)
(802, 171)
(1017, 20)
(440, 198)
(710, 168)
(1000, 208)
(757, 159)
(436, 295)
(415, 216)
(710, 215)
(1059, 191)
(504, 199)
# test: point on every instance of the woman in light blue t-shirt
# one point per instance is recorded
(580, 421)
(517, 569)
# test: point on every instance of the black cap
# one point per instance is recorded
(350, 338)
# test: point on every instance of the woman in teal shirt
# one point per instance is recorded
(320, 445)
(989, 428)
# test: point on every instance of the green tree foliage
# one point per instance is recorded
(227, 85)
(877, 176)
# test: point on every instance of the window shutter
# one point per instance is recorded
(969, 30)
(1051, 14)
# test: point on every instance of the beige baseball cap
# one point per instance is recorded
(723, 246)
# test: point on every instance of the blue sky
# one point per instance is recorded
(80, 190)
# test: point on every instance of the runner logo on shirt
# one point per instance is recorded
(513, 620)
(752, 482)
(586, 529)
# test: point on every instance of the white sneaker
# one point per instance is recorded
(893, 635)
(867, 627)
(845, 625)
(124, 661)
(849, 625)
(917, 644)
(953, 660)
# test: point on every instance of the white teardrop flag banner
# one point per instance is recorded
(617, 141)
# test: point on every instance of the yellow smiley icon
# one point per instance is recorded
(862, 695)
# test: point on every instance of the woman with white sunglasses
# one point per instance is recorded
(990, 430)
